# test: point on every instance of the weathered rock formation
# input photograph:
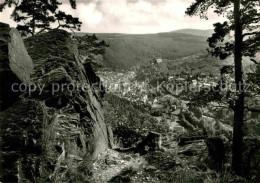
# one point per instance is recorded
(57, 127)
(15, 64)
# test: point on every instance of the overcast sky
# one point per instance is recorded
(131, 16)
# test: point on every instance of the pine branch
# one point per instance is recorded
(253, 60)
(251, 33)
(43, 30)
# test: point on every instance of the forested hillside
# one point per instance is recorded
(127, 51)
(131, 50)
(196, 32)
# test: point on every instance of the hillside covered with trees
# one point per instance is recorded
(129, 51)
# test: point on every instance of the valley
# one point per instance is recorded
(156, 92)
(130, 91)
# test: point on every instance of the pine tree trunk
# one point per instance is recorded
(237, 149)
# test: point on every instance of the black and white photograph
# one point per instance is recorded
(130, 91)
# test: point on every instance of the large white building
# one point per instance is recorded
(159, 60)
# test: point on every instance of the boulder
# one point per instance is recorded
(195, 148)
(189, 140)
(16, 65)
(212, 147)
(49, 133)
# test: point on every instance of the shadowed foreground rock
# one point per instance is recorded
(46, 135)
(152, 142)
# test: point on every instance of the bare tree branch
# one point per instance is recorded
(251, 33)
(253, 60)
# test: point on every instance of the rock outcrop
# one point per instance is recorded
(15, 64)
(56, 126)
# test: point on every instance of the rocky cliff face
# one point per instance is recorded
(53, 127)
(15, 64)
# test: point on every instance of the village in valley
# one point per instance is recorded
(168, 100)
(141, 91)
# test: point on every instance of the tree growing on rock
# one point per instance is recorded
(36, 16)
(243, 18)
(90, 47)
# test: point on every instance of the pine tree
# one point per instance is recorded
(36, 16)
(243, 18)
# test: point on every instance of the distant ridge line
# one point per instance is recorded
(194, 32)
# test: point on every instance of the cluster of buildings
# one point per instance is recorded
(189, 81)
(124, 85)
(204, 82)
